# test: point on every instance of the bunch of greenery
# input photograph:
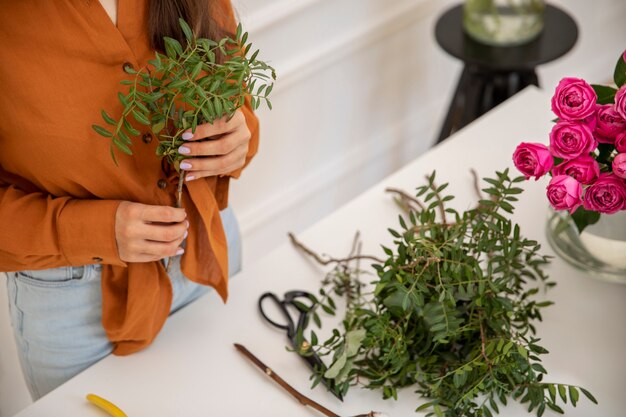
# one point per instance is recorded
(451, 312)
(199, 83)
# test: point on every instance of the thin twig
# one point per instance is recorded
(479, 194)
(329, 260)
(406, 198)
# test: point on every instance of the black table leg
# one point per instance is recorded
(479, 91)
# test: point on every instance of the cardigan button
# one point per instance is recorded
(126, 66)
(146, 138)
(97, 259)
(162, 184)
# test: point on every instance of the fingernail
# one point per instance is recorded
(180, 251)
(184, 150)
(185, 235)
(187, 224)
(185, 165)
(190, 177)
(187, 135)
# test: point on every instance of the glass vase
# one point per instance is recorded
(503, 22)
(599, 250)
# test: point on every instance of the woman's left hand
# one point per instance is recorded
(221, 155)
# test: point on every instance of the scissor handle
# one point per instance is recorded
(290, 325)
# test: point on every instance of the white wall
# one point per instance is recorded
(362, 89)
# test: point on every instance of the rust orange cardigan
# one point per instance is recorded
(60, 64)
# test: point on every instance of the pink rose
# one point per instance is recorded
(619, 165)
(533, 159)
(608, 124)
(569, 140)
(584, 169)
(620, 142)
(574, 99)
(564, 193)
(620, 102)
(606, 195)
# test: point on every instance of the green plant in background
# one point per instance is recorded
(186, 87)
(452, 312)
(503, 22)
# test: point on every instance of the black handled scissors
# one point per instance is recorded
(301, 301)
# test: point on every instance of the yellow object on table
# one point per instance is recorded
(106, 405)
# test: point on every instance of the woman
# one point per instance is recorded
(87, 241)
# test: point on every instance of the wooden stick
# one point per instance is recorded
(304, 400)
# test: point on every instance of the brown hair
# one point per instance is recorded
(201, 15)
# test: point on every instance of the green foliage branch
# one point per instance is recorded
(452, 311)
(185, 87)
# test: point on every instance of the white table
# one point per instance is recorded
(192, 368)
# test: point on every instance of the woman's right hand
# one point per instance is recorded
(146, 233)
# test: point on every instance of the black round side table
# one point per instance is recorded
(492, 74)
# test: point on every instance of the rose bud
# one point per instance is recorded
(564, 193)
(608, 124)
(619, 165)
(574, 99)
(606, 195)
(584, 169)
(533, 159)
(620, 142)
(569, 140)
(620, 102)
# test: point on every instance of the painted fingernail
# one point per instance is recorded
(185, 165)
(184, 150)
(180, 251)
(187, 135)
(190, 177)
(185, 235)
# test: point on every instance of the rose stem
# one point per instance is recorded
(304, 400)
(179, 204)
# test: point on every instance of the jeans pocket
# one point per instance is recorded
(55, 277)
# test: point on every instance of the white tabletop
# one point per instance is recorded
(192, 368)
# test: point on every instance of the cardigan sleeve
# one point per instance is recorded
(39, 231)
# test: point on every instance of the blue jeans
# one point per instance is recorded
(56, 314)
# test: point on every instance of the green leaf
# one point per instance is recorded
(102, 131)
(130, 129)
(620, 72)
(122, 146)
(588, 395)
(158, 127)
(562, 393)
(196, 70)
(583, 218)
(186, 29)
(573, 395)
(606, 95)
(108, 118)
(141, 118)
(170, 48)
(337, 366)
(113, 154)
(353, 341)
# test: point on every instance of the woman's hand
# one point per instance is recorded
(223, 154)
(146, 233)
